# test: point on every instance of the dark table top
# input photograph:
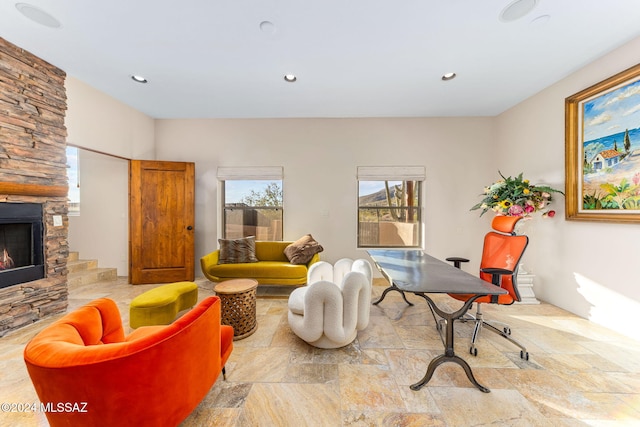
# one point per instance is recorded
(415, 271)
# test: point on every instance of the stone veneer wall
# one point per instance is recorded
(33, 104)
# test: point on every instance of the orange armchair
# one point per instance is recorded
(155, 376)
(501, 256)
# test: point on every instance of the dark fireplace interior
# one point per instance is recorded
(21, 240)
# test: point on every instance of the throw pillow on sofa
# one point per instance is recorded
(234, 251)
(302, 250)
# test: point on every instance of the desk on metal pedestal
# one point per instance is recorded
(421, 274)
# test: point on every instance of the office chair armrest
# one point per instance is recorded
(456, 261)
(496, 273)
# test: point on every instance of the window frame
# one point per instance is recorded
(73, 206)
(392, 174)
(226, 174)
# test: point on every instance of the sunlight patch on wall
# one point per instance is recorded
(609, 308)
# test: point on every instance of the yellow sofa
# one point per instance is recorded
(273, 266)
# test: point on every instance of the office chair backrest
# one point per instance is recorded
(504, 249)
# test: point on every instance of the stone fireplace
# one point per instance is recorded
(33, 189)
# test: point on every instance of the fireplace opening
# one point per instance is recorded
(21, 243)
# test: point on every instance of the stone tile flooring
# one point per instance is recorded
(579, 374)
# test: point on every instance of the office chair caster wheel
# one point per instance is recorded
(507, 330)
(524, 355)
(473, 351)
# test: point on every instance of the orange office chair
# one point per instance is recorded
(501, 256)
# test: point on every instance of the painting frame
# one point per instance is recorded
(579, 183)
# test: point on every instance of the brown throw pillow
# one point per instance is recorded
(302, 250)
(233, 251)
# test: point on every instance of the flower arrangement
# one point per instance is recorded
(517, 197)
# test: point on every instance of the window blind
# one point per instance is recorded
(226, 173)
(391, 173)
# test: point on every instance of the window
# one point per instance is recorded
(390, 207)
(252, 202)
(73, 174)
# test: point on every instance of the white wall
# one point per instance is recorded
(101, 231)
(587, 268)
(320, 157)
(461, 155)
(98, 122)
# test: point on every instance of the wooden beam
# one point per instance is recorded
(22, 189)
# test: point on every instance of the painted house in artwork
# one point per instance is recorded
(605, 159)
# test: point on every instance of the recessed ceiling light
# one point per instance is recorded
(290, 78)
(517, 9)
(38, 15)
(448, 76)
(139, 79)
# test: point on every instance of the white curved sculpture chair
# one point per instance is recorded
(335, 305)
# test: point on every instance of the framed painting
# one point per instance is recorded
(602, 150)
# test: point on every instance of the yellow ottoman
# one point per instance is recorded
(159, 306)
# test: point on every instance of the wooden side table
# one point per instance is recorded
(238, 298)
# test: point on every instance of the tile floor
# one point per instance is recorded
(579, 374)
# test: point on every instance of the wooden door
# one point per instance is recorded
(161, 197)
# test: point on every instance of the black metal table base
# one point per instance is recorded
(393, 287)
(449, 354)
(419, 273)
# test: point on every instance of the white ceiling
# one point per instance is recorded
(353, 58)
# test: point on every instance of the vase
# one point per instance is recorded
(523, 227)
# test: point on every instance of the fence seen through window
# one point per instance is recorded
(252, 208)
